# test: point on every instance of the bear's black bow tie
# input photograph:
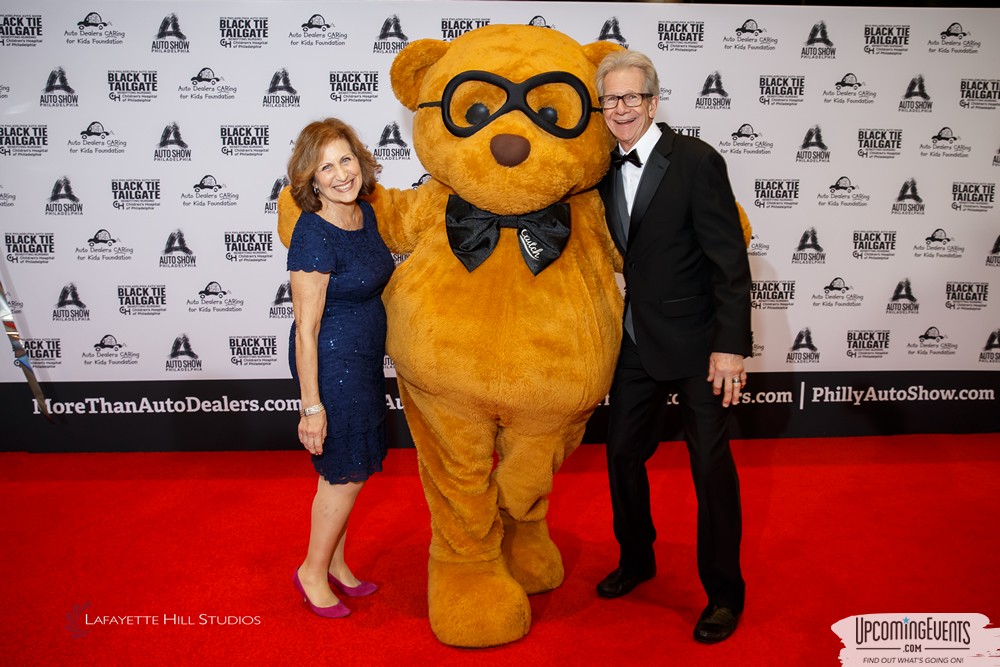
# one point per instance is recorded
(473, 233)
(617, 159)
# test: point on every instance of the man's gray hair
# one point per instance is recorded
(623, 60)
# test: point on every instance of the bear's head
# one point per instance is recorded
(506, 115)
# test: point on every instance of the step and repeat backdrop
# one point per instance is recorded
(143, 145)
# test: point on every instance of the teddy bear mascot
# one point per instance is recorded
(505, 320)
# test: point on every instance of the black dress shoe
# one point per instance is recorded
(715, 624)
(621, 581)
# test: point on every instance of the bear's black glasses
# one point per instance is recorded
(478, 115)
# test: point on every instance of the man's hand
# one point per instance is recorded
(728, 377)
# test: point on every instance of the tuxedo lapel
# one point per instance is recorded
(652, 176)
(620, 215)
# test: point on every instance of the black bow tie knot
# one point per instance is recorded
(617, 159)
(474, 233)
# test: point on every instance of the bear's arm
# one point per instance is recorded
(594, 211)
(393, 210)
(403, 215)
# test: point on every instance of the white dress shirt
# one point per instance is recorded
(632, 174)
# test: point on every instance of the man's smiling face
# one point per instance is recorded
(628, 124)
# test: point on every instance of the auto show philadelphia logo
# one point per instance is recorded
(391, 145)
(182, 357)
(917, 638)
(391, 38)
(903, 301)
(916, 99)
(170, 38)
(990, 353)
(993, 258)
(280, 308)
(57, 92)
(69, 307)
(176, 253)
(62, 200)
(818, 44)
(813, 149)
(713, 95)
(171, 147)
(281, 94)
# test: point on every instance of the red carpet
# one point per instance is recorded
(833, 528)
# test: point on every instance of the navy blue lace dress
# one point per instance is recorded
(351, 341)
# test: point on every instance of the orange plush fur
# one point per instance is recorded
(496, 363)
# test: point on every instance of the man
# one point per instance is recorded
(671, 211)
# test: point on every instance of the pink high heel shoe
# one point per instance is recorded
(338, 610)
(361, 590)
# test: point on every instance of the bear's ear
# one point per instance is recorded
(595, 52)
(410, 67)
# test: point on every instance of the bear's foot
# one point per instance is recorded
(476, 604)
(532, 557)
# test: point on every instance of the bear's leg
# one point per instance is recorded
(472, 599)
(529, 455)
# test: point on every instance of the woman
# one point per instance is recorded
(338, 266)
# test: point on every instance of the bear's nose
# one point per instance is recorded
(509, 150)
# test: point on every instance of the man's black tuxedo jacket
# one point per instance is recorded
(686, 271)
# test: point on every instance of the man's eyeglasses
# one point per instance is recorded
(630, 100)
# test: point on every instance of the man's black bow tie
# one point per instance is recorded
(473, 233)
(617, 159)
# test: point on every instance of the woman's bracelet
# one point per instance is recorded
(311, 410)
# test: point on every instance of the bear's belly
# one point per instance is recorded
(499, 335)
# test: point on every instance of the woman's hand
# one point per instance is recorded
(312, 432)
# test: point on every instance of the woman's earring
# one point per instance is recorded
(315, 189)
